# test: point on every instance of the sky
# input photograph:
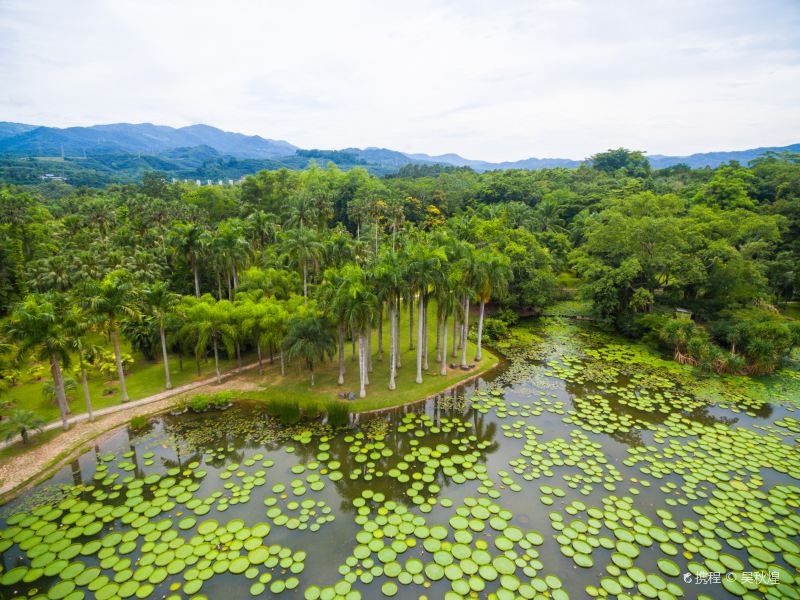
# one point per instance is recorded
(496, 81)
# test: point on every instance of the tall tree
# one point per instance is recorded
(36, 325)
(304, 251)
(491, 277)
(424, 269)
(309, 337)
(187, 240)
(208, 321)
(159, 302)
(110, 300)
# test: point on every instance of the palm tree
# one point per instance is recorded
(262, 228)
(275, 326)
(309, 337)
(159, 302)
(79, 325)
(21, 422)
(334, 308)
(37, 326)
(424, 270)
(492, 276)
(468, 267)
(233, 250)
(391, 283)
(252, 315)
(187, 240)
(110, 300)
(359, 305)
(304, 252)
(208, 322)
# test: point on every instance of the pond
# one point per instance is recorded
(583, 467)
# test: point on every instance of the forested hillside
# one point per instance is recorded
(299, 259)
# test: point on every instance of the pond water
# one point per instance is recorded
(584, 467)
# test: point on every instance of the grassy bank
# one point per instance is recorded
(146, 378)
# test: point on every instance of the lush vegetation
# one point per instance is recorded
(295, 264)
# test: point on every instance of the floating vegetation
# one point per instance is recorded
(587, 468)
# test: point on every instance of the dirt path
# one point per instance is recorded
(35, 464)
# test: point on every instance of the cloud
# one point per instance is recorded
(497, 82)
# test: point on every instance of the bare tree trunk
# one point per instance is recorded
(392, 345)
(411, 322)
(120, 371)
(196, 277)
(341, 354)
(480, 331)
(362, 364)
(438, 334)
(353, 343)
(380, 333)
(258, 351)
(420, 340)
(453, 353)
(369, 350)
(465, 332)
(58, 384)
(443, 370)
(305, 280)
(238, 356)
(235, 279)
(311, 368)
(283, 366)
(216, 361)
(164, 354)
(398, 350)
(425, 332)
(86, 396)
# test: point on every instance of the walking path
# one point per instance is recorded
(20, 469)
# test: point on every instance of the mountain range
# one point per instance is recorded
(201, 151)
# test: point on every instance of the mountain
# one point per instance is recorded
(8, 129)
(141, 138)
(715, 159)
(482, 165)
(124, 151)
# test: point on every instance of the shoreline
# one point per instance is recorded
(47, 459)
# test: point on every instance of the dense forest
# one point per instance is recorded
(702, 262)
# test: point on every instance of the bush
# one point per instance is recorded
(107, 363)
(204, 402)
(139, 423)
(338, 414)
(286, 411)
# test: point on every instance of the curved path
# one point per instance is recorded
(19, 470)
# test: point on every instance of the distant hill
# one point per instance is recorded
(123, 152)
(482, 165)
(715, 159)
(141, 138)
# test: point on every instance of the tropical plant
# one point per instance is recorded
(309, 338)
(109, 301)
(36, 325)
(21, 423)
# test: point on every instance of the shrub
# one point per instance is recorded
(286, 411)
(139, 423)
(199, 403)
(204, 402)
(107, 364)
(338, 414)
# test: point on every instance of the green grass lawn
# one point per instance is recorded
(146, 378)
(295, 385)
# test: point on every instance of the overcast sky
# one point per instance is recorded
(492, 80)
